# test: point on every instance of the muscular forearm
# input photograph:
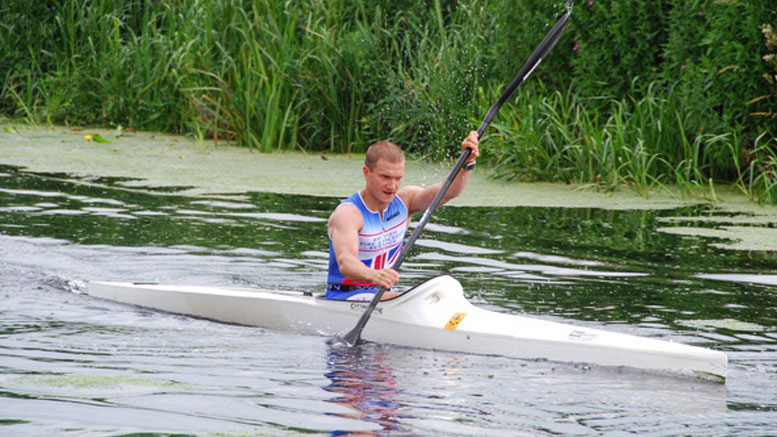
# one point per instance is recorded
(462, 178)
(457, 186)
(355, 270)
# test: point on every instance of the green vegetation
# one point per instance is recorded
(639, 94)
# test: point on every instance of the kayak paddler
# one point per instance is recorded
(367, 229)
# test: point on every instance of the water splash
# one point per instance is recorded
(75, 286)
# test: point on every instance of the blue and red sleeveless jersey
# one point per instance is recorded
(380, 239)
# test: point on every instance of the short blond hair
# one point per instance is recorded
(383, 150)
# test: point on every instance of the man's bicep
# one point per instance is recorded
(344, 228)
(417, 198)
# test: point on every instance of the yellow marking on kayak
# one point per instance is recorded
(454, 321)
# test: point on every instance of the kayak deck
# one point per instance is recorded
(433, 315)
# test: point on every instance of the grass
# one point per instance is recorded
(336, 76)
(642, 144)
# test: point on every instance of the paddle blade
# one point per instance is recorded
(341, 343)
(352, 338)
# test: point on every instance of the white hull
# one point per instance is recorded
(434, 315)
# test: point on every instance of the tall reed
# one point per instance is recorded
(337, 75)
(639, 143)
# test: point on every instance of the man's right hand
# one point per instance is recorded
(385, 278)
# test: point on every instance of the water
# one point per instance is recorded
(75, 365)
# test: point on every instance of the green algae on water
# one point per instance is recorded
(159, 162)
(156, 160)
(94, 381)
(729, 324)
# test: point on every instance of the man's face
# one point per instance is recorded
(384, 179)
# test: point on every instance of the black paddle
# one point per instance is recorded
(352, 338)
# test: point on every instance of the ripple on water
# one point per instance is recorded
(741, 278)
(74, 364)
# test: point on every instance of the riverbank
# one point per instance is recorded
(204, 168)
(165, 160)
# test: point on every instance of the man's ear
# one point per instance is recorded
(365, 171)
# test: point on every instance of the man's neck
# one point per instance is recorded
(372, 203)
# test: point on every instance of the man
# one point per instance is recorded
(366, 230)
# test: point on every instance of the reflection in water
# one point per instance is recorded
(363, 381)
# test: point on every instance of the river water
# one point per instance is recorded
(71, 364)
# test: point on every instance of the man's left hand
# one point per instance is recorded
(471, 142)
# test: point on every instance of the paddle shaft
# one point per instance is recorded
(353, 337)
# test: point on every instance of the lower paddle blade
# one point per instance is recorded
(353, 337)
(339, 343)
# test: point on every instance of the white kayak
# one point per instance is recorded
(433, 315)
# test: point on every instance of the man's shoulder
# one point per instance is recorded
(407, 194)
(346, 206)
(346, 212)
